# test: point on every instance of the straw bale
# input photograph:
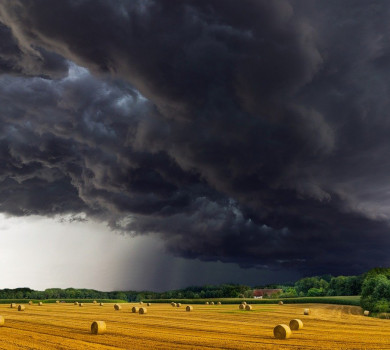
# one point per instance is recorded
(98, 327)
(282, 331)
(296, 324)
(135, 309)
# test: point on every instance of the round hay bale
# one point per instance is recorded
(366, 312)
(148, 304)
(206, 303)
(101, 304)
(81, 304)
(282, 331)
(173, 304)
(117, 307)
(243, 303)
(178, 304)
(30, 302)
(248, 307)
(189, 308)
(13, 305)
(2, 321)
(95, 302)
(98, 327)
(219, 303)
(21, 308)
(141, 302)
(241, 307)
(212, 303)
(76, 303)
(135, 309)
(57, 301)
(306, 311)
(296, 324)
(40, 303)
(143, 310)
(280, 302)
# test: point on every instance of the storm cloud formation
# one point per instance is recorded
(252, 132)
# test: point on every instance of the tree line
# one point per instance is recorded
(373, 286)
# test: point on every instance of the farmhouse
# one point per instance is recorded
(260, 293)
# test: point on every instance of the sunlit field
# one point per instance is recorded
(67, 326)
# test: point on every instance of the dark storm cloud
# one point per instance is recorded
(260, 137)
(28, 60)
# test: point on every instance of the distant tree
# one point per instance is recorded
(375, 294)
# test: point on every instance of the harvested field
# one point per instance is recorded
(62, 326)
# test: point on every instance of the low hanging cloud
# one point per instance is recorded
(254, 133)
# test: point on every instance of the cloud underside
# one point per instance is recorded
(255, 134)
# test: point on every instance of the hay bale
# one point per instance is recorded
(241, 307)
(306, 312)
(21, 308)
(141, 302)
(206, 303)
(57, 301)
(296, 324)
(95, 302)
(366, 312)
(2, 321)
(117, 307)
(135, 309)
(212, 303)
(101, 304)
(98, 327)
(143, 310)
(76, 303)
(81, 304)
(40, 303)
(13, 305)
(248, 307)
(189, 308)
(219, 303)
(30, 302)
(282, 331)
(148, 304)
(178, 304)
(173, 304)
(280, 302)
(243, 303)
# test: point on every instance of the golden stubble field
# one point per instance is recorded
(66, 326)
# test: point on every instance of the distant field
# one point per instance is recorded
(66, 326)
(50, 301)
(341, 300)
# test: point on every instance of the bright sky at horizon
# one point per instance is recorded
(40, 253)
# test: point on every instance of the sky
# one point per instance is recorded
(151, 144)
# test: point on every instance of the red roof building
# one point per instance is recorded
(259, 293)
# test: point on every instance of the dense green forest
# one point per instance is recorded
(373, 286)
